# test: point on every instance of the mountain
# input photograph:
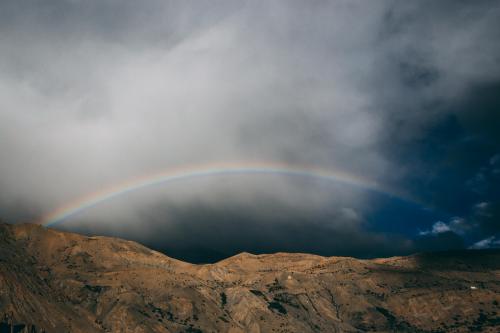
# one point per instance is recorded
(53, 281)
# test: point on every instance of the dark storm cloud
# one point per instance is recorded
(95, 92)
(447, 240)
(198, 232)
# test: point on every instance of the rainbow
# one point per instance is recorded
(209, 170)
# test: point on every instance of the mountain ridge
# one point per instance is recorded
(60, 281)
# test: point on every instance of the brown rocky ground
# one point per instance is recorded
(64, 282)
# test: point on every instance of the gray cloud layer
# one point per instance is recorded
(95, 92)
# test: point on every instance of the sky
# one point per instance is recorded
(404, 94)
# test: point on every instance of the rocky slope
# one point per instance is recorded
(64, 282)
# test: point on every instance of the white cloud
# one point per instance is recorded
(440, 227)
(482, 209)
(482, 205)
(487, 243)
(456, 224)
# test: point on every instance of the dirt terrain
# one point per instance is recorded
(53, 281)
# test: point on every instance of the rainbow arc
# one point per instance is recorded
(90, 200)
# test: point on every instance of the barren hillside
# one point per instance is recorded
(55, 281)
